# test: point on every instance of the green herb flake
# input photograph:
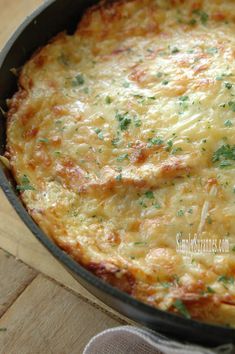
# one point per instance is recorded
(124, 120)
(149, 195)
(228, 123)
(137, 122)
(228, 85)
(159, 75)
(157, 206)
(122, 157)
(155, 141)
(192, 22)
(126, 84)
(226, 279)
(78, 80)
(231, 105)
(212, 50)
(179, 305)
(3, 329)
(166, 284)
(224, 155)
(25, 184)
(108, 100)
(210, 290)
(43, 140)
(140, 243)
(165, 82)
(204, 17)
(118, 177)
(175, 50)
(183, 98)
(99, 133)
(180, 212)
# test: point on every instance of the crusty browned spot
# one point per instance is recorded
(40, 157)
(141, 151)
(15, 102)
(212, 182)
(70, 174)
(124, 281)
(200, 308)
(199, 68)
(197, 5)
(219, 16)
(138, 75)
(113, 237)
(176, 2)
(59, 110)
(31, 133)
(174, 168)
(56, 141)
(39, 60)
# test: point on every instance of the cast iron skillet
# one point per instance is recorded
(51, 18)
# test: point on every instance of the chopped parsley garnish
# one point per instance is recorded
(228, 123)
(155, 141)
(99, 133)
(115, 141)
(224, 155)
(183, 98)
(192, 22)
(126, 84)
(122, 157)
(228, 85)
(159, 74)
(180, 212)
(165, 82)
(119, 177)
(226, 280)
(108, 100)
(137, 122)
(231, 105)
(140, 243)
(175, 50)
(149, 195)
(43, 140)
(166, 284)
(203, 16)
(25, 185)
(179, 305)
(63, 59)
(210, 290)
(78, 80)
(3, 329)
(124, 120)
(212, 50)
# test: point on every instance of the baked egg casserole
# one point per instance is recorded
(121, 139)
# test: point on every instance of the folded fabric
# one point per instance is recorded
(133, 340)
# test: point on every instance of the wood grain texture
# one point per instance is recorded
(47, 318)
(14, 278)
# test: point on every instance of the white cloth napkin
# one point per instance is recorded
(133, 340)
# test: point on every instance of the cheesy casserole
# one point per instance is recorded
(121, 139)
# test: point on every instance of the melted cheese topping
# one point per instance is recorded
(122, 138)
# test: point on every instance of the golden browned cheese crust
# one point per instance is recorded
(121, 140)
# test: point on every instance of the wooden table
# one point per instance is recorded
(42, 308)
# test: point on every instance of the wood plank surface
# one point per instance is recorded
(46, 318)
(14, 278)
